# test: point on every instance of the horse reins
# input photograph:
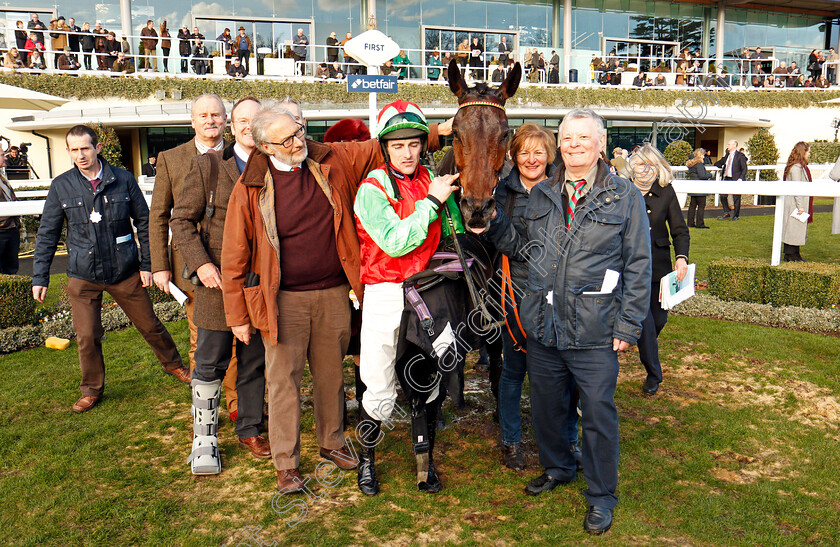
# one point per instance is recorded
(476, 301)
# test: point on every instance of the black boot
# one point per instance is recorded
(367, 481)
(432, 483)
(790, 252)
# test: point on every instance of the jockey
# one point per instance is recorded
(399, 230)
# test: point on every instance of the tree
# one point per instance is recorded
(111, 147)
(763, 151)
(678, 152)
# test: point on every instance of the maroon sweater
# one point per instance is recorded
(308, 254)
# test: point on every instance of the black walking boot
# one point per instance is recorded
(367, 481)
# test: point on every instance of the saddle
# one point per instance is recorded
(437, 307)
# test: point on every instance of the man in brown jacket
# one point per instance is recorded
(292, 214)
(208, 121)
(150, 41)
(197, 227)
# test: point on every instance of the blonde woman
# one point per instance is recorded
(12, 59)
(652, 176)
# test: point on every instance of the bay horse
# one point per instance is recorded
(480, 141)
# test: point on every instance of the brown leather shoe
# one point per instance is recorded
(342, 457)
(258, 446)
(85, 403)
(286, 480)
(182, 373)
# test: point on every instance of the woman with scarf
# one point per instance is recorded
(652, 176)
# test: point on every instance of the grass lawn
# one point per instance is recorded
(738, 448)
(752, 237)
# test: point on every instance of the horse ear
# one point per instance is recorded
(511, 83)
(456, 80)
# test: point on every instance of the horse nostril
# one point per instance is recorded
(489, 205)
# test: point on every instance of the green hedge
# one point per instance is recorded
(17, 307)
(824, 152)
(96, 87)
(738, 279)
(807, 285)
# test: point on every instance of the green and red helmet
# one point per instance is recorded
(401, 120)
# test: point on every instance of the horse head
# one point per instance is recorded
(480, 133)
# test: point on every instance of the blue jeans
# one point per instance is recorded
(510, 397)
(596, 372)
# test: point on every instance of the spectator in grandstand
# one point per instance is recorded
(434, 61)
(822, 82)
(87, 45)
(243, 48)
(322, 71)
(332, 48)
(681, 70)
(58, 38)
(112, 48)
(795, 231)
(20, 39)
(236, 70)
(122, 65)
(800, 81)
(73, 38)
(33, 43)
(184, 47)
(498, 74)
(36, 60)
(770, 81)
(335, 72)
(387, 69)
(831, 66)
(101, 36)
(149, 40)
(200, 58)
(477, 58)
(38, 26)
(809, 82)
(794, 72)
(463, 54)
(814, 64)
(641, 80)
(553, 74)
(228, 45)
(659, 81)
(125, 47)
(780, 73)
(349, 63)
(697, 202)
(66, 60)
(504, 52)
(196, 36)
(652, 176)
(299, 43)
(401, 63)
(165, 44)
(12, 59)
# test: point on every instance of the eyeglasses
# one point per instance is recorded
(287, 142)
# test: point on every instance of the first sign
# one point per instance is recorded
(372, 48)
